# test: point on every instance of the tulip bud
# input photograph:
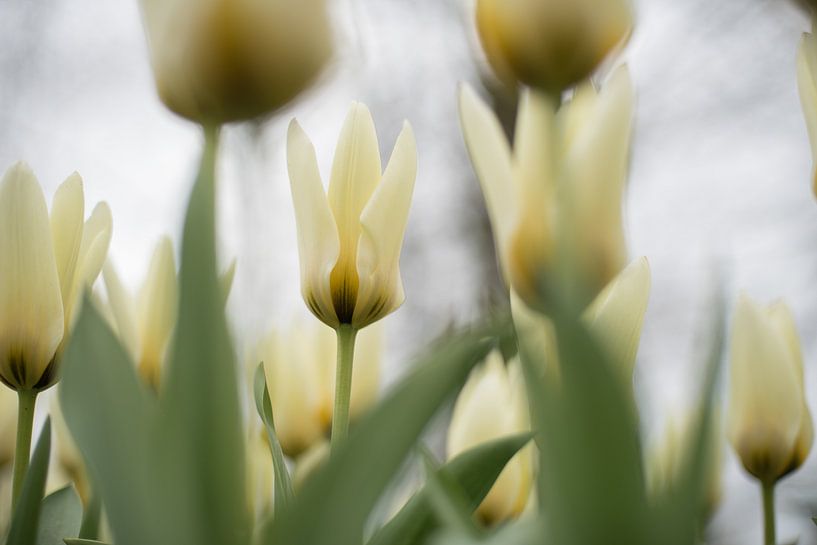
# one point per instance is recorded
(554, 200)
(48, 263)
(551, 44)
(299, 366)
(349, 241)
(491, 405)
(769, 423)
(231, 60)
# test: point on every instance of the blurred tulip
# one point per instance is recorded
(299, 366)
(349, 241)
(769, 423)
(217, 61)
(47, 264)
(807, 84)
(260, 475)
(551, 44)
(555, 199)
(491, 405)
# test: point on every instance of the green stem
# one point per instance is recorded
(343, 384)
(26, 400)
(768, 513)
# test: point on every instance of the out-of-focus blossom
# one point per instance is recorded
(769, 423)
(349, 241)
(491, 405)
(228, 60)
(46, 264)
(260, 475)
(551, 44)
(299, 365)
(807, 84)
(555, 199)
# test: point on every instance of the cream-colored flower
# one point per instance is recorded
(349, 241)
(551, 44)
(228, 60)
(614, 318)
(807, 84)
(47, 264)
(260, 475)
(555, 199)
(145, 326)
(491, 405)
(299, 365)
(769, 423)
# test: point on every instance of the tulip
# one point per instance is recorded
(555, 198)
(349, 241)
(260, 475)
(807, 84)
(769, 423)
(551, 44)
(298, 366)
(217, 61)
(48, 263)
(491, 405)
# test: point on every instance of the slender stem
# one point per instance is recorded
(768, 513)
(26, 400)
(343, 383)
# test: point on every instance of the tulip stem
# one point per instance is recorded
(343, 384)
(26, 399)
(768, 513)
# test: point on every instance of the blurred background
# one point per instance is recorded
(720, 176)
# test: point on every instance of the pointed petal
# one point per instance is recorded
(383, 223)
(96, 239)
(67, 215)
(31, 313)
(617, 315)
(123, 310)
(318, 246)
(157, 309)
(491, 157)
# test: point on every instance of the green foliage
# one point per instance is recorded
(25, 520)
(60, 517)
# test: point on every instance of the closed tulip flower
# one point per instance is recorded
(551, 44)
(556, 196)
(299, 366)
(217, 61)
(492, 405)
(769, 424)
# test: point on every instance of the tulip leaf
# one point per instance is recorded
(447, 498)
(335, 502)
(81, 541)
(521, 532)
(91, 516)
(110, 414)
(24, 521)
(202, 459)
(590, 451)
(283, 483)
(61, 516)
(475, 470)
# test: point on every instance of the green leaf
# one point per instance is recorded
(283, 483)
(447, 498)
(61, 516)
(202, 455)
(522, 532)
(333, 506)
(80, 541)
(475, 470)
(110, 413)
(91, 517)
(24, 521)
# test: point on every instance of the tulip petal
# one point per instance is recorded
(383, 224)
(157, 310)
(122, 308)
(807, 85)
(96, 239)
(491, 157)
(318, 244)
(617, 315)
(31, 312)
(67, 222)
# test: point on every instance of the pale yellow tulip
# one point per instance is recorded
(48, 263)
(225, 60)
(551, 44)
(260, 475)
(556, 197)
(349, 241)
(299, 365)
(769, 423)
(491, 405)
